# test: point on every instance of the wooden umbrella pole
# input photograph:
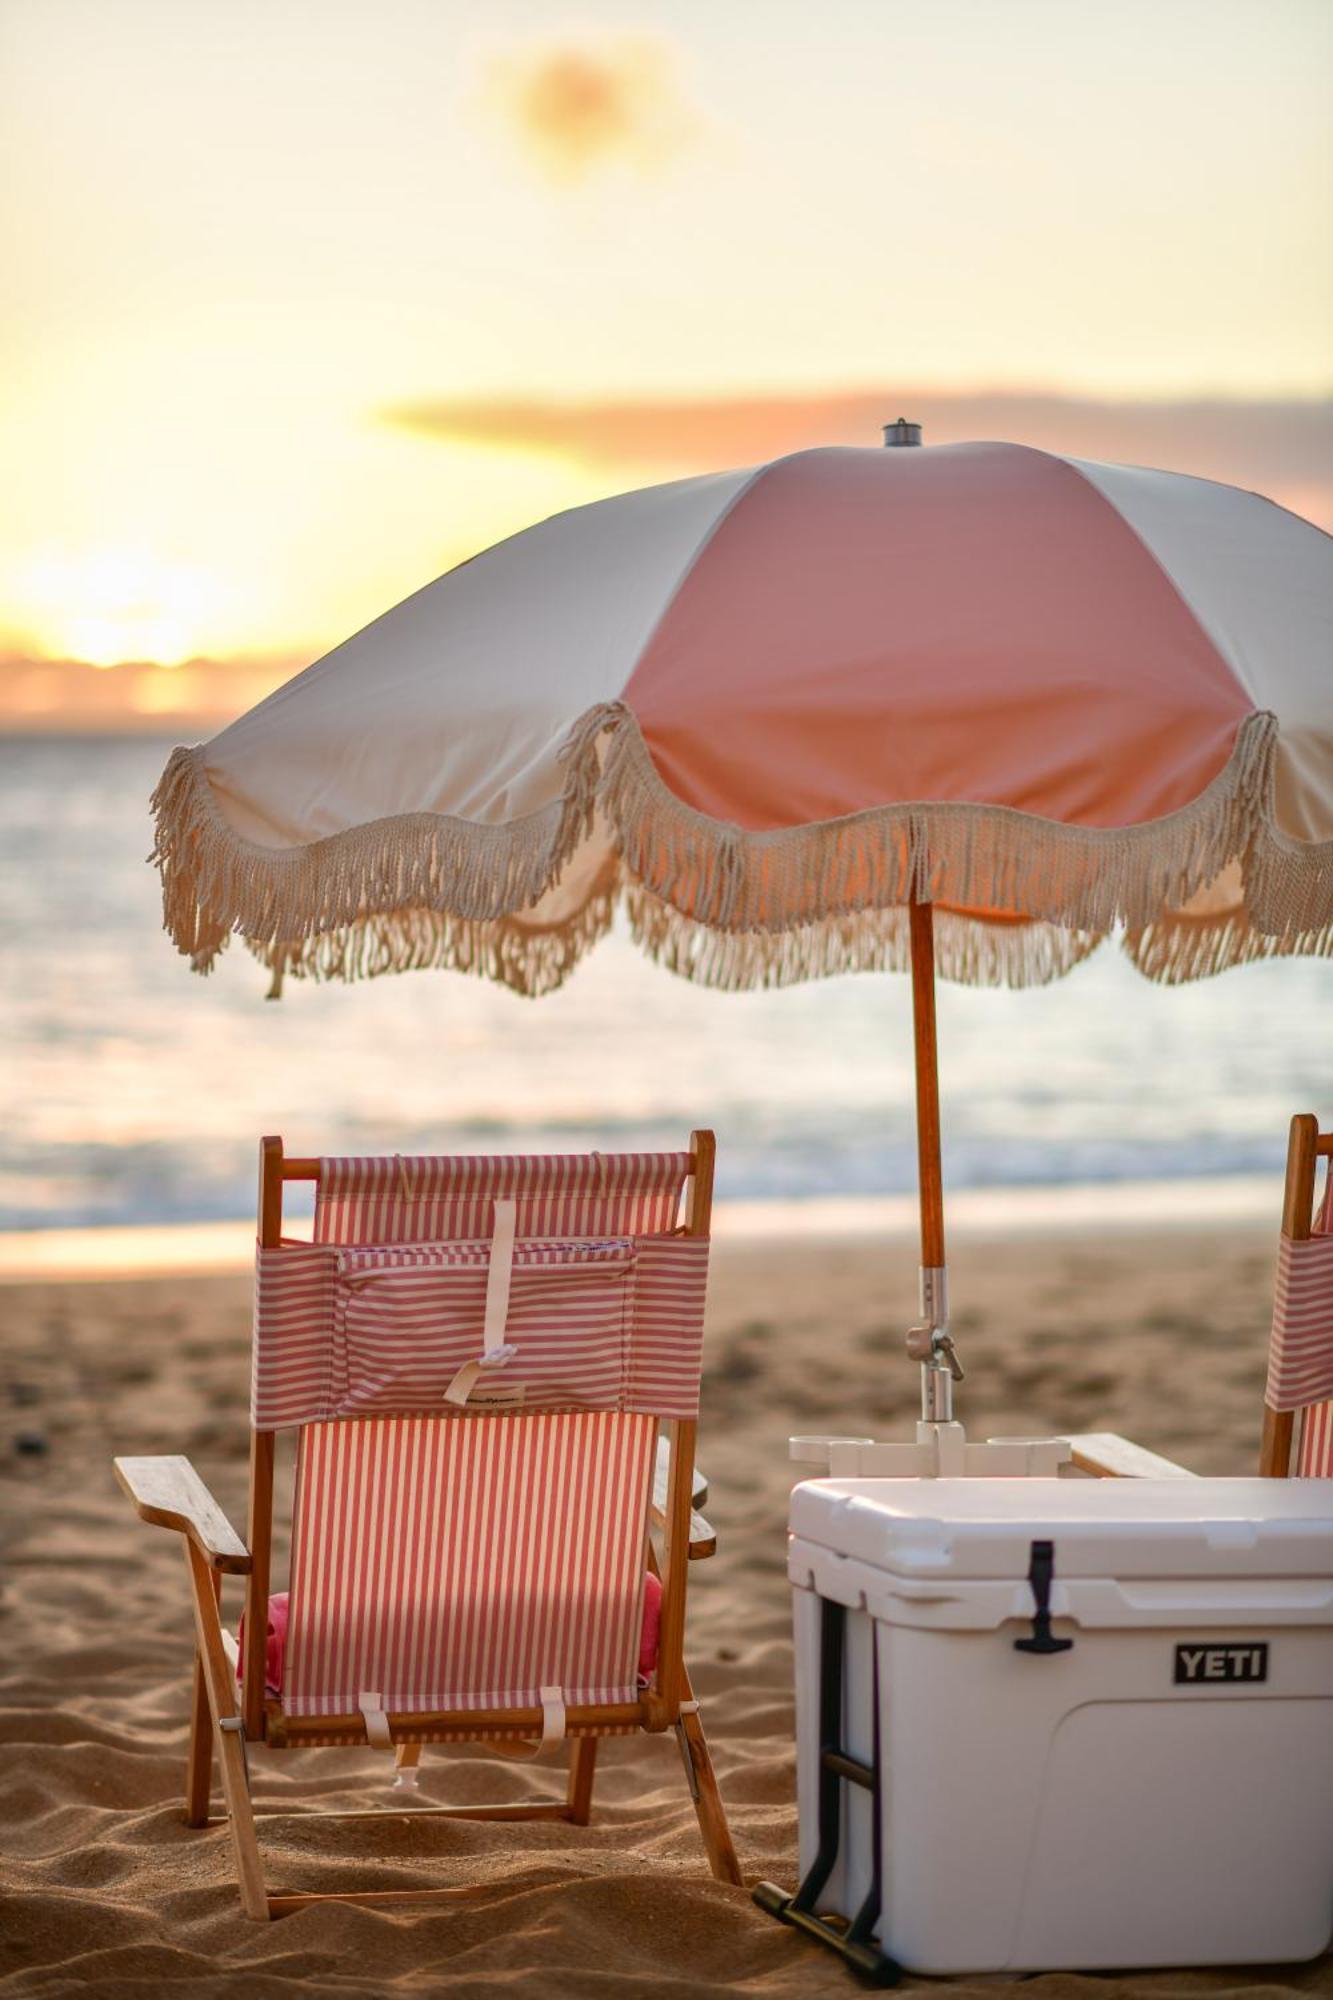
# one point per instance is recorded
(922, 918)
(929, 1341)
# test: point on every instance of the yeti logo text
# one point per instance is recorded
(1213, 1665)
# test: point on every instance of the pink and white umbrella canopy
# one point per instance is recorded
(767, 708)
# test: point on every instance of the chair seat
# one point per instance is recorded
(275, 1651)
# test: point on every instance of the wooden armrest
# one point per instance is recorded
(170, 1493)
(1108, 1456)
(698, 1485)
(703, 1542)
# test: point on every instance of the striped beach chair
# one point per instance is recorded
(1298, 1399)
(492, 1369)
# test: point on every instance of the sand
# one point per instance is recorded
(1158, 1335)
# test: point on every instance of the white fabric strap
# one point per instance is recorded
(553, 1717)
(496, 1351)
(553, 1728)
(380, 1736)
(378, 1733)
(497, 1281)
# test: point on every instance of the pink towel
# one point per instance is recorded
(276, 1646)
(651, 1627)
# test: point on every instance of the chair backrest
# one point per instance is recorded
(467, 1556)
(1298, 1398)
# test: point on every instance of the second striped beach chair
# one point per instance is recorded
(1298, 1399)
(492, 1365)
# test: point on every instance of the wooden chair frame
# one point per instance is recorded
(169, 1493)
(1306, 1146)
(1107, 1455)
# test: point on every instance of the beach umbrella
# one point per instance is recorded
(964, 709)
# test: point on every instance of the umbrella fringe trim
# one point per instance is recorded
(535, 962)
(735, 909)
(531, 961)
(966, 951)
(284, 900)
(970, 857)
(1181, 948)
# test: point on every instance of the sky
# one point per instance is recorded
(306, 300)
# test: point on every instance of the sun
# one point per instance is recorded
(108, 605)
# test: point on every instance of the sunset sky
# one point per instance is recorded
(307, 299)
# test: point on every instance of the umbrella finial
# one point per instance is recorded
(902, 432)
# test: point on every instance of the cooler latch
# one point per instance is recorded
(1041, 1569)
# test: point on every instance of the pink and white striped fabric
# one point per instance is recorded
(450, 1198)
(384, 1308)
(468, 1562)
(605, 1325)
(1314, 1454)
(408, 1316)
(1300, 1349)
(767, 706)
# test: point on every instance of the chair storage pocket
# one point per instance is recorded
(408, 1317)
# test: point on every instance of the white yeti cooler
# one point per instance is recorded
(1138, 1774)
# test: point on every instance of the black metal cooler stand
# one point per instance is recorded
(855, 1942)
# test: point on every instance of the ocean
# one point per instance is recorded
(135, 1092)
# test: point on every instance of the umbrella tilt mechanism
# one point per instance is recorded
(931, 1343)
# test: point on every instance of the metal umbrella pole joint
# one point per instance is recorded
(929, 1341)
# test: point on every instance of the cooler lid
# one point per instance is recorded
(1101, 1527)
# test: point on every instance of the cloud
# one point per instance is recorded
(1280, 447)
(574, 110)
